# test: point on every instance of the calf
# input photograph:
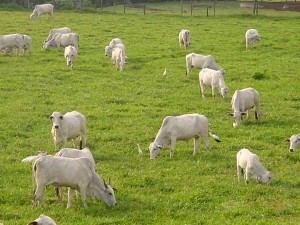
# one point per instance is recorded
(42, 9)
(70, 55)
(43, 220)
(244, 100)
(184, 127)
(294, 141)
(200, 62)
(251, 166)
(77, 174)
(68, 126)
(184, 38)
(213, 79)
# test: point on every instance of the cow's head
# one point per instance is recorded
(154, 149)
(33, 16)
(108, 195)
(237, 117)
(224, 91)
(108, 50)
(294, 142)
(56, 118)
(43, 219)
(267, 178)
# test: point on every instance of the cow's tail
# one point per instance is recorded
(34, 168)
(217, 139)
(186, 37)
(188, 60)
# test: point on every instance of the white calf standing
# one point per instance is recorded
(294, 141)
(184, 38)
(184, 127)
(68, 126)
(213, 79)
(252, 36)
(244, 100)
(251, 166)
(43, 220)
(118, 58)
(70, 55)
(42, 9)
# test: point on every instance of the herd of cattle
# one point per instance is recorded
(76, 168)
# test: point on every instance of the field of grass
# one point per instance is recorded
(125, 108)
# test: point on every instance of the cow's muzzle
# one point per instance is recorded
(291, 150)
(56, 126)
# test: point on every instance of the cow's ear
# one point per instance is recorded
(115, 190)
(288, 140)
(230, 114)
(243, 114)
(61, 117)
(51, 117)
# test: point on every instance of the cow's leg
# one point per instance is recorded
(196, 145)
(247, 114)
(239, 171)
(83, 196)
(202, 88)
(59, 193)
(172, 147)
(213, 92)
(38, 196)
(247, 176)
(70, 196)
(206, 141)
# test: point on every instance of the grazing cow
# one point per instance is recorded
(27, 42)
(200, 62)
(294, 141)
(62, 40)
(52, 32)
(244, 100)
(213, 79)
(68, 126)
(70, 55)
(184, 38)
(42, 9)
(252, 36)
(184, 127)
(11, 41)
(118, 58)
(43, 220)
(109, 49)
(251, 166)
(77, 174)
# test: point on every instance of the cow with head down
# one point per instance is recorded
(242, 101)
(294, 141)
(42, 9)
(183, 127)
(184, 38)
(62, 40)
(43, 220)
(68, 127)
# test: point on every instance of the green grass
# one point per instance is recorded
(123, 108)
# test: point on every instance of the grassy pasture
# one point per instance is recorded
(123, 108)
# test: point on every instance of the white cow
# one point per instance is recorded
(200, 62)
(68, 126)
(43, 220)
(184, 127)
(75, 153)
(214, 79)
(27, 42)
(244, 100)
(251, 166)
(184, 38)
(118, 58)
(70, 55)
(42, 9)
(109, 49)
(77, 174)
(11, 41)
(62, 40)
(252, 36)
(294, 141)
(62, 30)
